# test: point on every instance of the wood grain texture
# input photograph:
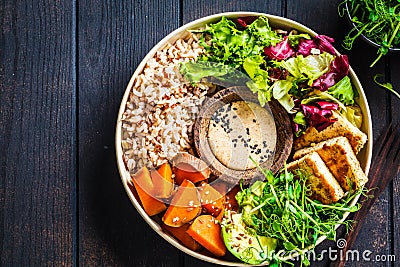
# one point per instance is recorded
(395, 114)
(192, 10)
(113, 38)
(37, 133)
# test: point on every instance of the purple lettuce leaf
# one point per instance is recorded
(338, 69)
(318, 117)
(280, 51)
(325, 44)
(246, 21)
(305, 47)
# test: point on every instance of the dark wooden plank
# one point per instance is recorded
(37, 129)
(192, 10)
(114, 36)
(395, 104)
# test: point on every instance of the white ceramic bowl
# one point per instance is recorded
(276, 22)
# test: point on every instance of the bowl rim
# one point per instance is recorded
(172, 37)
(365, 38)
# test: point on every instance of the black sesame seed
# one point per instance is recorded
(234, 116)
(254, 120)
(248, 131)
(240, 136)
(234, 108)
(259, 151)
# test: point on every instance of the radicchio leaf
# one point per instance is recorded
(318, 117)
(305, 47)
(325, 81)
(325, 44)
(340, 66)
(327, 105)
(338, 69)
(280, 51)
(246, 21)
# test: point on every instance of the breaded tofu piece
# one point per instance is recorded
(340, 159)
(324, 186)
(341, 127)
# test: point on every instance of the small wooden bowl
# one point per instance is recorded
(232, 94)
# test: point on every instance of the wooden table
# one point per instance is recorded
(64, 69)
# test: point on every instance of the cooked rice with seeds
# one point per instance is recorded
(162, 107)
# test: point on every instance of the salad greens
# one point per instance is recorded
(282, 208)
(285, 66)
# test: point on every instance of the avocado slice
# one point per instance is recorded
(244, 243)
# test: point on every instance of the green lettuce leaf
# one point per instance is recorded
(225, 43)
(343, 91)
(263, 33)
(310, 67)
(280, 91)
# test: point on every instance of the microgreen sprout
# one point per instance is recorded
(282, 207)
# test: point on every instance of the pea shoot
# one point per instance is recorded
(282, 208)
(378, 20)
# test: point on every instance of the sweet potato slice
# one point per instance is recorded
(184, 207)
(230, 197)
(207, 232)
(180, 234)
(144, 188)
(188, 167)
(162, 181)
(231, 202)
(211, 200)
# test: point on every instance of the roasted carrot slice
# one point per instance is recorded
(184, 207)
(162, 181)
(180, 234)
(211, 200)
(188, 167)
(207, 232)
(231, 202)
(144, 188)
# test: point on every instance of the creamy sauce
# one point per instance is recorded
(240, 130)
